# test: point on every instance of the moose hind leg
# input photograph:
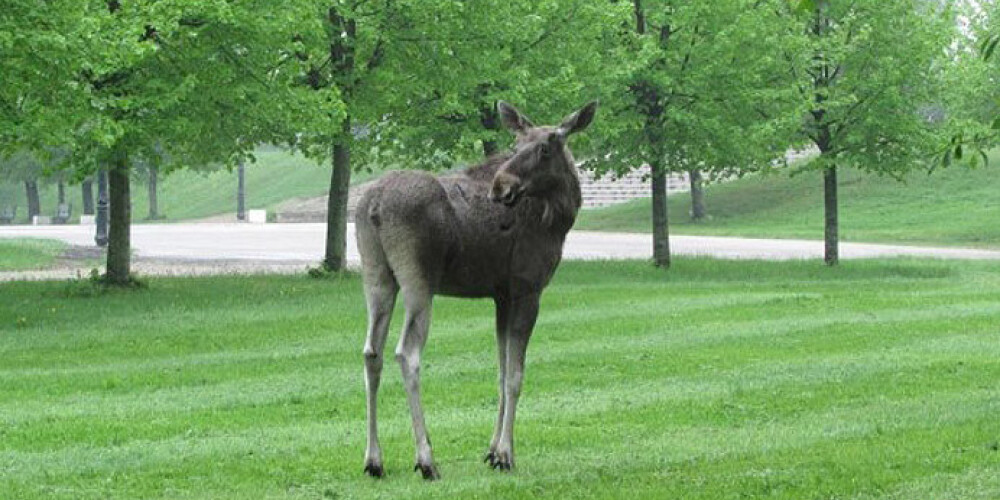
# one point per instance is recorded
(411, 345)
(380, 293)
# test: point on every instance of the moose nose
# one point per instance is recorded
(505, 193)
(506, 189)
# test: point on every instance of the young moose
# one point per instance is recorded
(495, 230)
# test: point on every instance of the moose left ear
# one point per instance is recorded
(579, 120)
(512, 118)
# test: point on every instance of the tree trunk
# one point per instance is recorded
(336, 211)
(241, 191)
(87, 189)
(101, 220)
(154, 208)
(119, 238)
(661, 234)
(31, 193)
(61, 193)
(489, 148)
(831, 238)
(697, 195)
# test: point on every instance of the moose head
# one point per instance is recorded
(541, 158)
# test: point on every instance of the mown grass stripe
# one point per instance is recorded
(777, 380)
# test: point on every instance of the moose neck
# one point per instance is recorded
(559, 205)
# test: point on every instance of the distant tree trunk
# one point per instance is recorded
(103, 200)
(154, 208)
(697, 195)
(87, 189)
(336, 210)
(489, 118)
(241, 191)
(489, 148)
(31, 193)
(831, 228)
(119, 237)
(661, 234)
(61, 193)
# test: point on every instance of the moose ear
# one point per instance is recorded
(579, 120)
(512, 118)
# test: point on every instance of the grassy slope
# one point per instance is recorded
(950, 207)
(715, 380)
(277, 176)
(28, 253)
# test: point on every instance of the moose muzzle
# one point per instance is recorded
(507, 188)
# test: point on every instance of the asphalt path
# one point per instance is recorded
(304, 243)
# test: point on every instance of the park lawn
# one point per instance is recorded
(277, 176)
(951, 207)
(17, 254)
(714, 380)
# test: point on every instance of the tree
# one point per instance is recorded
(87, 193)
(867, 71)
(149, 85)
(697, 194)
(539, 54)
(691, 86)
(25, 168)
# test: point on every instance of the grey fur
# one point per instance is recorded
(494, 230)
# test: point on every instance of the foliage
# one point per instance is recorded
(700, 87)
(457, 62)
(870, 75)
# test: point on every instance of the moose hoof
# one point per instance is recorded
(429, 471)
(490, 458)
(374, 469)
(500, 460)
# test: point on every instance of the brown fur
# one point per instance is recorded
(493, 230)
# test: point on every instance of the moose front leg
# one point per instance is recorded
(521, 321)
(502, 313)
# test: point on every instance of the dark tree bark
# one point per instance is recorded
(336, 214)
(490, 120)
(649, 104)
(489, 148)
(154, 206)
(103, 200)
(31, 193)
(119, 237)
(61, 193)
(661, 233)
(831, 227)
(697, 195)
(241, 191)
(87, 190)
(342, 65)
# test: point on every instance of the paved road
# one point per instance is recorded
(303, 243)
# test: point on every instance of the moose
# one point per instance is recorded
(495, 230)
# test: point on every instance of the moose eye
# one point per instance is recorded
(544, 150)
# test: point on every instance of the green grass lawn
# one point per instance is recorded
(187, 194)
(715, 380)
(28, 253)
(954, 207)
